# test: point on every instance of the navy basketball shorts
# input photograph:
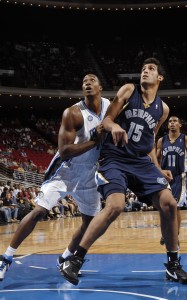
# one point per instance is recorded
(138, 174)
(178, 187)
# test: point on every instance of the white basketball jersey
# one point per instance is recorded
(91, 121)
(77, 175)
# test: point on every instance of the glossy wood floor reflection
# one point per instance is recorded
(132, 232)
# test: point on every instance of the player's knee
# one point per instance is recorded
(39, 213)
(113, 211)
(169, 205)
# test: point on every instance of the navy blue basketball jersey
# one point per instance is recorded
(139, 121)
(173, 154)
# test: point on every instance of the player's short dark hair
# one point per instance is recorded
(173, 116)
(155, 61)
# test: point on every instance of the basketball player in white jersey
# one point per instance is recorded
(71, 171)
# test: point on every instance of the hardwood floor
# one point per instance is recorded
(132, 232)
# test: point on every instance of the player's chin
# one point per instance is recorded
(88, 92)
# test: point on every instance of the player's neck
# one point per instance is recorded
(94, 105)
(173, 136)
(148, 94)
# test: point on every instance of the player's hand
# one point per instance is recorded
(167, 174)
(99, 133)
(119, 135)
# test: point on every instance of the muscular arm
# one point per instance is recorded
(72, 121)
(156, 152)
(121, 98)
(159, 151)
(153, 156)
(163, 118)
(166, 173)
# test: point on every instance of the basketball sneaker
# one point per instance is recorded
(5, 262)
(59, 263)
(71, 268)
(174, 272)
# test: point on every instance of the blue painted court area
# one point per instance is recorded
(104, 277)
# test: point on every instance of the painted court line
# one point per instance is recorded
(35, 267)
(88, 290)
(153, 271)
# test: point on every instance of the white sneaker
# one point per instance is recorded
(5, 262)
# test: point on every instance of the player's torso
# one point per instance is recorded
(139, 121)
(91, 121)
(173, 154)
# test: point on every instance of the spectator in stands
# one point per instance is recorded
(4, 192)
(32, 167)
(2, 184)
(23, 153)
(31, 196)
(40, 170)
(58, 210)
(6, 212)
(13, 197)
(17, 188)
(51, 150)
(20, 168)
(8, 203)
(72, 205)
(25, 197)
(66, 207)
(23, 205)
(130, 200)
(1, 190)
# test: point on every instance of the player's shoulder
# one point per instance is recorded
(165, 112)
(126, 91)
(106, 100)
(72, 110)
(160, 139)
(165, 107)
(128, 87)
(185, 139)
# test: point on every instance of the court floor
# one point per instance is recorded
(104, 277)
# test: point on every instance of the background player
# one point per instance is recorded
(171, 153)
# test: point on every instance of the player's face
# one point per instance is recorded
(91, 85)
(174, 124)
(149, 75)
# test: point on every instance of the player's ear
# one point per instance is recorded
(160, 77)
(101, 88)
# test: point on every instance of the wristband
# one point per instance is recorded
(93, 135)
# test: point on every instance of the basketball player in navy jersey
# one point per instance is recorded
(171, 153)
(71, 171)
(128, 160)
